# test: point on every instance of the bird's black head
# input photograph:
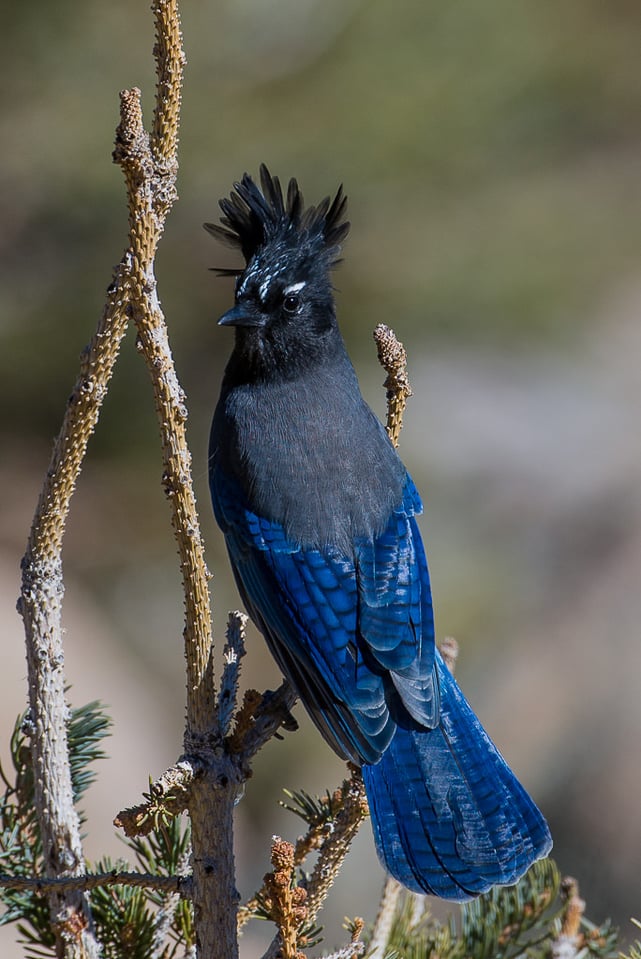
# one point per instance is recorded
(284, 309)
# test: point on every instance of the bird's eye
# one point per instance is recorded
(291, 302)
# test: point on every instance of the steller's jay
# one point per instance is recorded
(319, 519)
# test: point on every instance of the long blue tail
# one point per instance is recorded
(449, 816)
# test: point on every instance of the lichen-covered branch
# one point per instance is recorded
(232, 655)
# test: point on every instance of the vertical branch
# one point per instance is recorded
(170, 61)
(40, 605)
(149, 164)
(150, 172)
(150, 176)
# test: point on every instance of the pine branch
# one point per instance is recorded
(295, 915)
(150, 167)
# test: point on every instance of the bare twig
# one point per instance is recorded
(232, 654)
(42, 585)
(181, 885)
(393, 359)
(260, 718)
(150, 178)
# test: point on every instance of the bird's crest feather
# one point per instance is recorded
(255, 217)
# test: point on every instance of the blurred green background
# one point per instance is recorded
(491, 152)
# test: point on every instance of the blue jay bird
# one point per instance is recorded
(319, 518)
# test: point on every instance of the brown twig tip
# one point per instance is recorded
(393, 359)
(357, 926)
(130, 131)
(574, 907)
(285, 901)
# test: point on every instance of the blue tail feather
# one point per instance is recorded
(449, 817)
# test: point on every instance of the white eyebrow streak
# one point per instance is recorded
(263, 289)
(294, 288)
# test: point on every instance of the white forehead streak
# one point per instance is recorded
(263, 289)
(294, 288)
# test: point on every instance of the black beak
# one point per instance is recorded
(241, 315)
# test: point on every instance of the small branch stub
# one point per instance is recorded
(393, 359)
(167, 796)
(569, 941)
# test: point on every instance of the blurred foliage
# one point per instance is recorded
(489, 151)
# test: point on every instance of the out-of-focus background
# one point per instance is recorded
(492, 156)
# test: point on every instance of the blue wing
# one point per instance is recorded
(354, 633)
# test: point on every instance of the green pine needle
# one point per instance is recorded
(314, 810)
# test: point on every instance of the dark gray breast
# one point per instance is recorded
(309, 454)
